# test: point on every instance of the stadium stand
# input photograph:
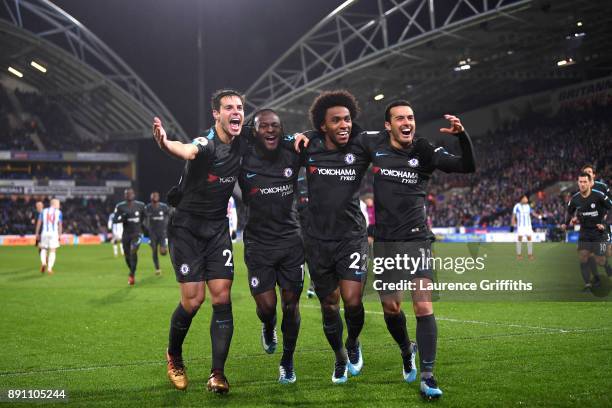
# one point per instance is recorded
(538, 152)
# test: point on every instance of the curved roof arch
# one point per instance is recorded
(415, 49)
(99, 90)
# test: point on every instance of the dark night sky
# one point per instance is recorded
(157, 39)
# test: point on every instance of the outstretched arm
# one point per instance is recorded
(184, 151)
(466, 163)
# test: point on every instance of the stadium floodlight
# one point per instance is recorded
(565, 62)
(379, 97)
(38, 67)
(15, 72)
(462, 67)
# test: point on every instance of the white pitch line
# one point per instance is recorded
(449, 319)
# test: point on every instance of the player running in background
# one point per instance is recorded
(131, 214)
(198, 232)
(521, 220)
(157, 215)
(48, 233)
(273, 248)
(335, 238)
(590, 207)
(603, 187)
(116, 231)
(402, 166)
(232, 216)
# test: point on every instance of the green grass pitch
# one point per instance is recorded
(86, 331)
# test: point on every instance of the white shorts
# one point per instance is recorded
(49, 241)
(117, 236)
(524, 231)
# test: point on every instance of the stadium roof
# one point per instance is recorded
(99, 90)
(443, 56)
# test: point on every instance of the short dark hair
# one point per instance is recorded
(264, 110)
(329, 99)
(587, 175)
(215, 100)
(393, 104)
(588, 166)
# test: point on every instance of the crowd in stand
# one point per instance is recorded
(525, 157)
(43, 117)
(18, 215)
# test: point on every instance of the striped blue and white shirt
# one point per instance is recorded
(50, 218)
(522, 212)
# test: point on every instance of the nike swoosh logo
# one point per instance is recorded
(378, 154)
(251, 175)
(310, 160)
(219, 164)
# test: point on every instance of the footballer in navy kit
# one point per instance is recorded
(335, 235)
(273, 250)
(198, 233)
(157, 214)
(402, 165)
(600, 185)
(590, 207)
(131, 214)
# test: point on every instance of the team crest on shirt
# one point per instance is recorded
(592, 205)
(161, 213)
(413, 162)
(136, 213)
(184, 269)
(254, 282)
(349, 158)
(288, 172)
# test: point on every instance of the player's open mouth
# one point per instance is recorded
(235, 124)
(343, 134)
(271, 140)
(406, 131)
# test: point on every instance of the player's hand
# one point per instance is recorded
(563, 227)
(600, 227)
(159, 133)
(574, 221)
(455, 125)
(300, 139)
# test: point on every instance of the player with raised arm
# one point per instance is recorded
(402, 164)
(335, 237)
(521, 220)
(48, 233)
(273, 248)
(116, 231)
(157, 214)
(198, 233)
(603, 187)
(590, 206)
(131, 214)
